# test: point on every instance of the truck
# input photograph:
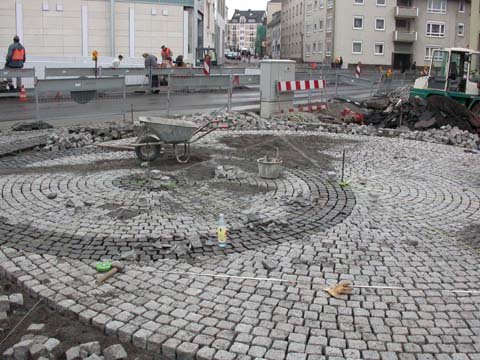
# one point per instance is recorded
(455, 73)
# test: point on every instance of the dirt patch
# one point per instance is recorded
(295, 151)
(69, 332)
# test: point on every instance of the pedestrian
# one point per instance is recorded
(116, 62)
(414, 66)
(16, 58)
(151, 62)
(340, 62)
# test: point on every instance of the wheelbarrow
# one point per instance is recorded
(154, 133)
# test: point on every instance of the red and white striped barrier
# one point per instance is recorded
(358, 71)
(298, 85)
(306, 108)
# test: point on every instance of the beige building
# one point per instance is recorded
(242, 29)
(374, 32)
(273, 6)
(475, 25)
(74, 28)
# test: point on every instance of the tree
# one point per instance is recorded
(261, 38)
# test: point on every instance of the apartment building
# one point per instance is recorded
(274, 36)
(242, 29)
(273, 6)
(74, 28)
(293, 29)
(374, 32)
(475, 25)
(274, 15)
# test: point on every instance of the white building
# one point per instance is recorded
(374, 32)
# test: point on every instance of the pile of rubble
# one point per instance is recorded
(64, 138)
(420, 114)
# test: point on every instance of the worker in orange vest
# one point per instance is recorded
(16, 58)
(166, 54)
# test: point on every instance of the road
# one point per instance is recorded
(13, 111)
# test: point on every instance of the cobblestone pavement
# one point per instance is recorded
(409, 219)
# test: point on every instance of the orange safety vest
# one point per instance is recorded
(18, 55)
(166, 53)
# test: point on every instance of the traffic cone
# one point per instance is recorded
(23, 94)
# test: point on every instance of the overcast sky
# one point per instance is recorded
(245, 5)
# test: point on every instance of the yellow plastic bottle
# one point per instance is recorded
(222, 231)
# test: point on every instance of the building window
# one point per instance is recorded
(329, 4)
(309, 28)
(315, 6)
(328, 48)
(320, 3)
(358, 2)
(429, 52)
(308, 49)
(379, 48)
(437, 6)
(381, 2)
(320, 25)
(320, 47)
(329, 24)
(461, 6)
(461, 29)
(358, 22)
(357, 47)
(314, 48)
(315, 27)
(435, 29)
(380, 24)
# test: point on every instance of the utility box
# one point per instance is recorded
(271, 72)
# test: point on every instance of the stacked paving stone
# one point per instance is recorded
(68, 138)
(8, 304)
(39, 347)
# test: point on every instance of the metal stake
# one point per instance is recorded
(230, 93)
(343, 165)
(168, 94)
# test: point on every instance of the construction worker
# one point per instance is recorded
(389, 73)
(16, 58)
(151, 62)
(166, 55)
(116, 62)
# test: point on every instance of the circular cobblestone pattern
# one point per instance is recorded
(160, 214)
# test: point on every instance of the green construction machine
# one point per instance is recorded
(455, 73)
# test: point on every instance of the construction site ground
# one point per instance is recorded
(402, 228)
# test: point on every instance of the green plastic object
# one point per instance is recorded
(104, 266)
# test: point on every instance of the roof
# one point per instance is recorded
(251, 16)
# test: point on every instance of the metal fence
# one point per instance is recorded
(179, 88)
(101, 96)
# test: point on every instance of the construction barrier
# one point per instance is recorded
(101, 96)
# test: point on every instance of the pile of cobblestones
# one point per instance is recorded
(314, 122)
(68, 138)
(9, 304)
(39, 347)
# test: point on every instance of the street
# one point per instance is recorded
(13, 110)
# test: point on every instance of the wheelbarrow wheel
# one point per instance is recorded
(148, 152)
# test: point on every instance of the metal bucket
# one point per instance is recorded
(268, 169)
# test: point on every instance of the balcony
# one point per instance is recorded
(402, 12)
(403, 36)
